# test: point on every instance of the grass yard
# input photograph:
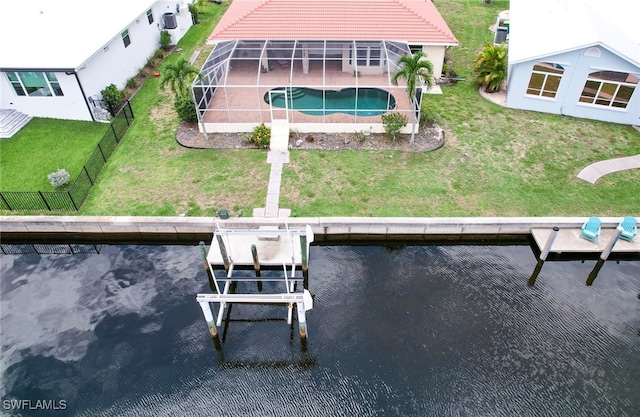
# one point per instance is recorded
(496, 161)
(44, 146)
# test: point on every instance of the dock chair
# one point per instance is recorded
(590, 230)
(629, 228)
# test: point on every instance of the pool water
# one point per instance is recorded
(351, 101)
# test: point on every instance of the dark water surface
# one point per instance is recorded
(410, 331)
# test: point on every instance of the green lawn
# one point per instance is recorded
(496, 161)
(44, 146)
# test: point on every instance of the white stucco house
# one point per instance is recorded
(57, 55)
(576, 57)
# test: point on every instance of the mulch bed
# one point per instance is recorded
(428, 138)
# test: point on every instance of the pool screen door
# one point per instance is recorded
(279, 113)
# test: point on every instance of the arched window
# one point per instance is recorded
(545, 80)
(609, 88)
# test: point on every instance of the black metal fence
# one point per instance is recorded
(74, 197)
(48, 249)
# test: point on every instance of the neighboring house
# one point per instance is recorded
(576, 57)
(325, 65)
(57, 55)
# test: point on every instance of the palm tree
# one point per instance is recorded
(177, 75)
(490, 66)
(414, 68)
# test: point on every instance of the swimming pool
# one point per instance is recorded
(352, 101)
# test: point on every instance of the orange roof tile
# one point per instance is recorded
(413, 21)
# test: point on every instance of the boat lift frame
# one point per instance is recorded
(268, 247)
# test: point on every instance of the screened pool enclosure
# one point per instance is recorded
(317, 86)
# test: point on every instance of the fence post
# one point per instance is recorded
(44, 200)
(87, 172)
(124, 111)
(75, 206)
(115, 134)
(5, 201)
(102, 153)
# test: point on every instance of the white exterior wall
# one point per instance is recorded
(70, 106)
(108, 66)
(183, 17)
(111, 64)
(435, 54)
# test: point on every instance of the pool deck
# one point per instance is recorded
(242, 100)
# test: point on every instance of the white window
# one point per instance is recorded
(609, 88)
(545, 80)
(35, 84)
(367, 55)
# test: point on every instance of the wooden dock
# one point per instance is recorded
(568, 245)
(557, 244)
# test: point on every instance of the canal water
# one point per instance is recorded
(402, 331)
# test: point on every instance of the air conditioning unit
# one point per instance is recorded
(169, 20)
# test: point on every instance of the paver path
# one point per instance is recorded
(593, 172)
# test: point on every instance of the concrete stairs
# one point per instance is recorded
(11, 121)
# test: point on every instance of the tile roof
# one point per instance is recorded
(413, 21)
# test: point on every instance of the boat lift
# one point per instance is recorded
(274, 248)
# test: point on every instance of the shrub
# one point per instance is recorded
(132, 82)
(490, 66)
(428, 120)
(151, 61)
(393, 124)
(158, 54)
(112, 97)
(193, 9)
(59, 178)
(186, 109)
(165, 39)
(261, 136)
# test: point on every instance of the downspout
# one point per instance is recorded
(84, 96)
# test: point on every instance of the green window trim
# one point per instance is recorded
(126, 39)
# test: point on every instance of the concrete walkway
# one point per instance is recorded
(277, 157)
(596, 170)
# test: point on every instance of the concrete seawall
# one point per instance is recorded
(191, 230)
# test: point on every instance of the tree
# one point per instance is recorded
(490, 66)
(414, 68)
(177, 75)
